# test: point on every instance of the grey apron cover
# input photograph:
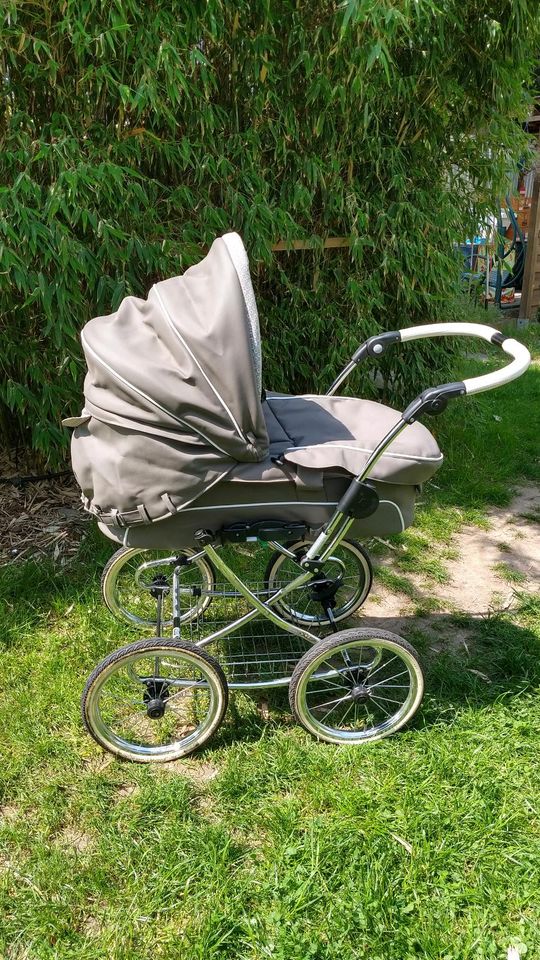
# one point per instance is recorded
(172, 394)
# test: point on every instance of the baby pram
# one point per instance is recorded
(237, 512)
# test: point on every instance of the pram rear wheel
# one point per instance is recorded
(357, 685)
(155, 700)
(132, 574)
(348, 568)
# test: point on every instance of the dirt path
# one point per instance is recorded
(489, 566)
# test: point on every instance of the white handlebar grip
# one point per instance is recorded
(489, 381)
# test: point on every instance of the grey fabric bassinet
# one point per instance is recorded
(177, 435)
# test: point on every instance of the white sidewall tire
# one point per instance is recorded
(207, 664)
(309, 663)
(113, 569)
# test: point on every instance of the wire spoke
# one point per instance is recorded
(313, 693)
(348, 710)
(382, 666)
(380, 707)
(187, 688)
(329, 686)
(319, 706)
(132, 716)
(387, 700)
(180, 713)
(384, 683)
(336, 704)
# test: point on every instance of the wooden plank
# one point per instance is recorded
(529, 305)
(312, 244)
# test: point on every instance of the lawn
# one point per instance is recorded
(268, 844)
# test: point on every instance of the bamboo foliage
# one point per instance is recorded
(132, 132)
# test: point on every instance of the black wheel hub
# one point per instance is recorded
(155, 698)
(324, 590)
(360, 693)
(159, 586)
(155, 709)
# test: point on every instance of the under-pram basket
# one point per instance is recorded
(195, 472)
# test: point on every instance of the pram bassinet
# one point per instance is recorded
(178, 435)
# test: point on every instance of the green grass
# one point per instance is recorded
(267, 844)
(508, 574)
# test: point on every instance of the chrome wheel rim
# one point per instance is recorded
(187, 689)
(347, 562)
(361, 690)
(127, 583)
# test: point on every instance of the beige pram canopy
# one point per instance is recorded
(177, 433)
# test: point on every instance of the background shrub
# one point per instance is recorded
(134, 131)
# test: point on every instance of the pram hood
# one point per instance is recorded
(173, 384)
(186, 360)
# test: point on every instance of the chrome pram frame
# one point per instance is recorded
(346, 660)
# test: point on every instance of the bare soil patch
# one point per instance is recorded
(73, 838)
(490, 565)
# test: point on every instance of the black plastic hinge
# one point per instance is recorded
(181, 561)
(375, 346)
(204, 537)
(433, 401)
(360, 500)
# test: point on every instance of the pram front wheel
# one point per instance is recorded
(155, 700)
(357, 685)
(347, 580)
(132, 573)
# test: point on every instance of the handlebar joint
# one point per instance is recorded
(375, 346)
(433, 401)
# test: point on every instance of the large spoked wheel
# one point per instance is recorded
(357, 685)
(155, 700)
(132, 575)
(344, 585)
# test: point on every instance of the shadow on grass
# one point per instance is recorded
(467, 661)
(31, 589)
(499, 662)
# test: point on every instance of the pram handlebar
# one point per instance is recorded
(377, 345)
(358, 498)
(489, 381)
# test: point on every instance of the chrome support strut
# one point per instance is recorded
(339, 524)
(176, 631)
(260, 606)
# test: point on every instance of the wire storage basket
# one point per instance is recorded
(256, 653)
